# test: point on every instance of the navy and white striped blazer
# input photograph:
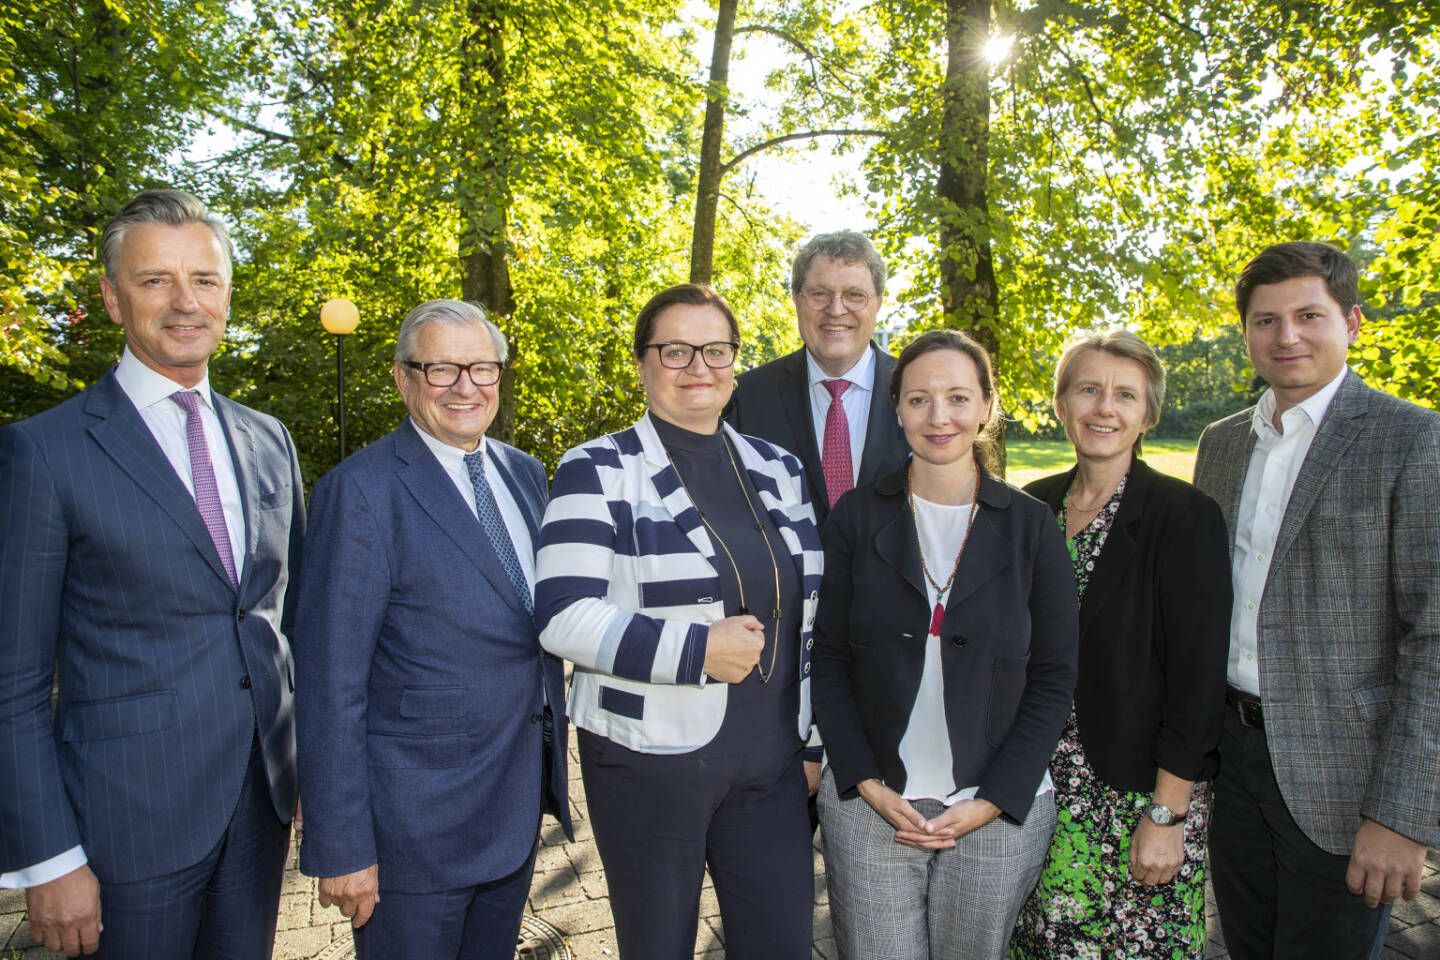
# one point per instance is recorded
(626, 586)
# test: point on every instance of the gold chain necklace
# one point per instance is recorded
(774, 564)
(938, 614)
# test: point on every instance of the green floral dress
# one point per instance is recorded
(1085, 906)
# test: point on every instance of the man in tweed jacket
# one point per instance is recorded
(1329, 788)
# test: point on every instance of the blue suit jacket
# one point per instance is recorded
(108, 574)
(420, 678)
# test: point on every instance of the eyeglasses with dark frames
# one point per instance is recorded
(853, 299)
(677, 355)
(443, 373)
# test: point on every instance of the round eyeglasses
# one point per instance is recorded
(442, 373)
(678, 356)
(853, 299)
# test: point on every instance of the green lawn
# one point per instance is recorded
(1028, 460)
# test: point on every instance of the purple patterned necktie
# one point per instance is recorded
(202, 474)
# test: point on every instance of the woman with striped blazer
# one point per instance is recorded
(678, 569)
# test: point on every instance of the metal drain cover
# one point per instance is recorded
(541, 941)
(538, 940)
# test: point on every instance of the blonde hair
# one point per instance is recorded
(1117, 342)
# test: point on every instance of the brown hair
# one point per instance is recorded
(1300, 258)
(933, 340)
(690, 294)
(1117, 342)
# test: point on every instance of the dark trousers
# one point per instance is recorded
(660, 819)
(223, 907)
(1280, 896)
(474, 923)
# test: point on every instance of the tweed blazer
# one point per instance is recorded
(1349, 622)
(773, 402)
(626, 586)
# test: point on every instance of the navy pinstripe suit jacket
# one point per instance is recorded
(109, 577)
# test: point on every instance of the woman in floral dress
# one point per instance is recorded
(1125, 875)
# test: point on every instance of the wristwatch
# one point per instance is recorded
(1163, 816)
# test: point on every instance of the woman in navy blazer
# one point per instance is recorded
(939, 700)
(1126, 873)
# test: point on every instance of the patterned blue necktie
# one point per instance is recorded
(494, 526)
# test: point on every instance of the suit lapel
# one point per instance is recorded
(881, 422)
(670, 490)
(795, 399)
(120, 432)
(1120, 547)
(987, 551)
(240, 436)
(526, 497)
(1231, 457)
(436, 495)
(1343, 421)
(898, 546)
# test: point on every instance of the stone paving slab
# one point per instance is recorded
(569, 892)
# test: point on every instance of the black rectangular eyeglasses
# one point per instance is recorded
(442, 373)
(677, 356)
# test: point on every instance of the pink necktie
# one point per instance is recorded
(202, 474)
(835, 455)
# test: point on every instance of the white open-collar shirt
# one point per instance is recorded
(1275, 462)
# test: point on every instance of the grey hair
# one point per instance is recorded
(847, 246)
(1117, 342)
(458, 312)
(174, 208)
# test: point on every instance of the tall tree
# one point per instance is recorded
(98, 98)
(1136, 153)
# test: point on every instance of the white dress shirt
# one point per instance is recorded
(150, 392)
(855, 401)
(925, 747)
(452, 459)
(1275, 462)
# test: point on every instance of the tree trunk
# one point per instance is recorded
(707, 193)
(967, 269)
(484, 187)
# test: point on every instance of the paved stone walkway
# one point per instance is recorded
(569, 892)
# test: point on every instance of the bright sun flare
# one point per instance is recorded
(997, 48)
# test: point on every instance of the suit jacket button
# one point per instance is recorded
(535, 718)
(245, 682)
(240, 616)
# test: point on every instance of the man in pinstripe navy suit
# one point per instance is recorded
(147, 532)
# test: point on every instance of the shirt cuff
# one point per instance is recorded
(52, 869)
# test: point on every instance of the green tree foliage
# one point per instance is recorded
(96, 99)
(1139, 151)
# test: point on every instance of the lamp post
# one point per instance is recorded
(339, 316)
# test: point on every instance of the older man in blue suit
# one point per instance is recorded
(432, 724)
(147, 530)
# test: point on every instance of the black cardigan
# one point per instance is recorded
(1154, 632)
(1008, 641)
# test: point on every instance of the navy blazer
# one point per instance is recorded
(108, 575)
(772, 402)
(1008, 641)
(421, 679)
(1154, 632)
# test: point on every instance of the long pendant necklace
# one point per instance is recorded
(938, 614)
(765, 675)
